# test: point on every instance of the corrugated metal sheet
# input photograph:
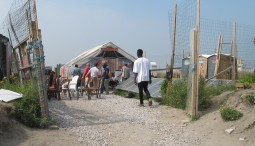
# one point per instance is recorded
(154, 87)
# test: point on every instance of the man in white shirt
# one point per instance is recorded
(142, 74)
(95, 73)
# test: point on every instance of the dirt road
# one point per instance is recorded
(114, 121)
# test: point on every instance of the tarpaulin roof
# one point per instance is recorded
(98, 51)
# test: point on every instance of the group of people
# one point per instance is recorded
(141, 70)
(90, 76)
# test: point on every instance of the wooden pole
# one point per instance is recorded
(217, 59)
(196, 59)
(173, 43)
(40, 67)
(235, 55)
(192, 105)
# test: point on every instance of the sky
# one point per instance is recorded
(71, 27)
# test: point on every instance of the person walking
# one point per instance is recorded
(125, 72)
(76, 71)
(86, 79)
(142, 75)
(105, 79)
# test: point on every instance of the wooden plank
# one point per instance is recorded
(234, 59)
(173, 43)
(239, 85)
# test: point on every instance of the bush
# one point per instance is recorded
(204, 100)
(218, 89)
(250, 99)
(27, 108)
(230, 114)
(246, 85)
(176, 94)
(163, 88)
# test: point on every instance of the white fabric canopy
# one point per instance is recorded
(7, 95)
(88, 55)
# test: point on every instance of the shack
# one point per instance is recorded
(225, 62)
(203, 66)
(5, 57)
(207, 65)
(211, 65)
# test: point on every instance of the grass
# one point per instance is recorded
(27, 109)
(250, 98)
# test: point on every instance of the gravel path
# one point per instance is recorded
(114, 121)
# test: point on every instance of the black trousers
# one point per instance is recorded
(143, 86)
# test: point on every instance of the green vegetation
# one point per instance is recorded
(195, 118)
(175, 93)
(247, 77)
(163, 88)
(250, 98)
(27, 109)
(161, 75)
(230, 114)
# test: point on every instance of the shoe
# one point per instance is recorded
(150, 103)
(141, 105)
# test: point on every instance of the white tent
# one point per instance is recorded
(107, 51)
(7, 95)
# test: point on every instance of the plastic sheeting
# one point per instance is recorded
(7, 95)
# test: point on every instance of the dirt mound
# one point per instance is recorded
(5, 122)
(238, 101)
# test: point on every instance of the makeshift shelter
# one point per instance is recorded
(203, 66)
(185, 67)
(211, 61)
(224, 63)
(5, 57)
(109, 52)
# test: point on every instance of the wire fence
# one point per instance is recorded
(209, 34)
(17, 24)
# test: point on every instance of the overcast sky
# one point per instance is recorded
(70, 27)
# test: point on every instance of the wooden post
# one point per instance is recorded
(234, 59)
(40, 66)
(173, 43)
(192, 101)
(196, 77)
(217, 59)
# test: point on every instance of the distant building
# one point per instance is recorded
(207, 64)
(154, 68)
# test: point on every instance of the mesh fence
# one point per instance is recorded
(17, 24)
(209, 34)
